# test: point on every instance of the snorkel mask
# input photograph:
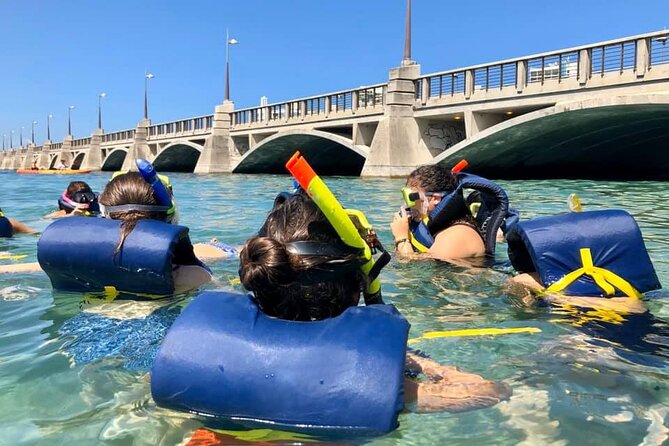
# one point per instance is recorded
(161, 190)
(351, 226)
(84, 199)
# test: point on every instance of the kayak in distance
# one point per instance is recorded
(54, 171)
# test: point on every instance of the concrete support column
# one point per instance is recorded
(265, 114)
(469, 83)
(16, 159)
(398, 147)
(303, 109)
(43, 159)
(642, 57)
(140, 147)
(521, 75)
(93, 159)
(584, 66)
(328, 106)
(354, 101)
(425, 91)
(65, 154)
(217, 154)
(28, 160)
(477, 122)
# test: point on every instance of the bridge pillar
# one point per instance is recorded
(43, 158)
(397, 147)
(217, 153)
(65, 154)
(28, 160)
(139, 148)
(93, 159)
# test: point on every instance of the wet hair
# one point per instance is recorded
(77, 186)
(433, 178)
(130, 188)
(275, 275)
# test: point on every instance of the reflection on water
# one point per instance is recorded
(75, 371)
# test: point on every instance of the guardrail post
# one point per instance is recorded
(642, 57)
(584, 66)
(425, 91)
(469, 83)
(521, 75)
(328, 106)
(303, 109)
(354, 101)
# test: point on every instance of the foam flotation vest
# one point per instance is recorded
(6, 229)
(595, 253)
(78, 254)
(491, 215)
(224, 358)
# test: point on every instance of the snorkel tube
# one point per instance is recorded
(163, 195)
(342, 223)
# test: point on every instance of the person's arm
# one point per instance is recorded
(189, 277)
(449, 389)
(16, 268)
(20, 227)
(400, 230)
(457, 242)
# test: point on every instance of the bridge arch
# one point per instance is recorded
(320, 148)
(180, 156)
(623, 137)
(78, 159)
(114, 160)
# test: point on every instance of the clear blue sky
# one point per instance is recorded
(60, 53)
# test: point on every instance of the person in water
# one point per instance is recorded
(77, 199)
(10, 226)
(460, 238)
(129, 198)
(288, 284)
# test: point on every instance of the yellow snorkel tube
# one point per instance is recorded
(349, 224)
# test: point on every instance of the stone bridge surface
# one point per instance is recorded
(596, 111)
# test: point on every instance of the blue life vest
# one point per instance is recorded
(224, 358)
(492, 214)
(78, 254)
(558, 245)
(6, 229)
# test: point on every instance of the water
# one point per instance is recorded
(70, 374)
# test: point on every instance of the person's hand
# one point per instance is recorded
(79, 210)
(400, 225)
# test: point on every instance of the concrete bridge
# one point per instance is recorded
(596, 111)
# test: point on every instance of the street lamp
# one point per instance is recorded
(48, 126)
(11, 144)
(100, 96)
(32, 132)
(4, 136)
(228, 42)
(407, 33)
(21, 137)
(147, 76)
(69, 119)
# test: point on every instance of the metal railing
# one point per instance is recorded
(349, 101)
(123, 135)
(606, 57)
(199, 124)
(81, 142)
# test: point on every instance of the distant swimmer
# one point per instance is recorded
(77, 199)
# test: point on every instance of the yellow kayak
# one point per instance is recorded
(55, 171)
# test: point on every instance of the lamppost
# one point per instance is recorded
(228, 42)
(32, 132)
(4, 136)
(21, 137)
(100, 96)
(147, 76)
(11, 143)
(69, 119)
(48, 126)
(407, 33)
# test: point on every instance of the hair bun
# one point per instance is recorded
(264, 262)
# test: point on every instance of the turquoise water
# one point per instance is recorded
(70, 373)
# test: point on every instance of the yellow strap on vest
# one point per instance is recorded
(418, 245)
(605, 279)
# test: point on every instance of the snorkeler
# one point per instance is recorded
(439, 223)
(77, 199)
(298, 269)
(10, 226)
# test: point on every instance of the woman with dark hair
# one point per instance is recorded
(457, 234)
(298, 269)
(77, 199)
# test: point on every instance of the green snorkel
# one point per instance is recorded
(352, 226)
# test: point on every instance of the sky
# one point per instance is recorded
(59, 53)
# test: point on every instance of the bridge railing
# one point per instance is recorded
(598, 59)
(81, 142)
(123, 135)
(363, 99)
(190, 126)
(57, 146)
